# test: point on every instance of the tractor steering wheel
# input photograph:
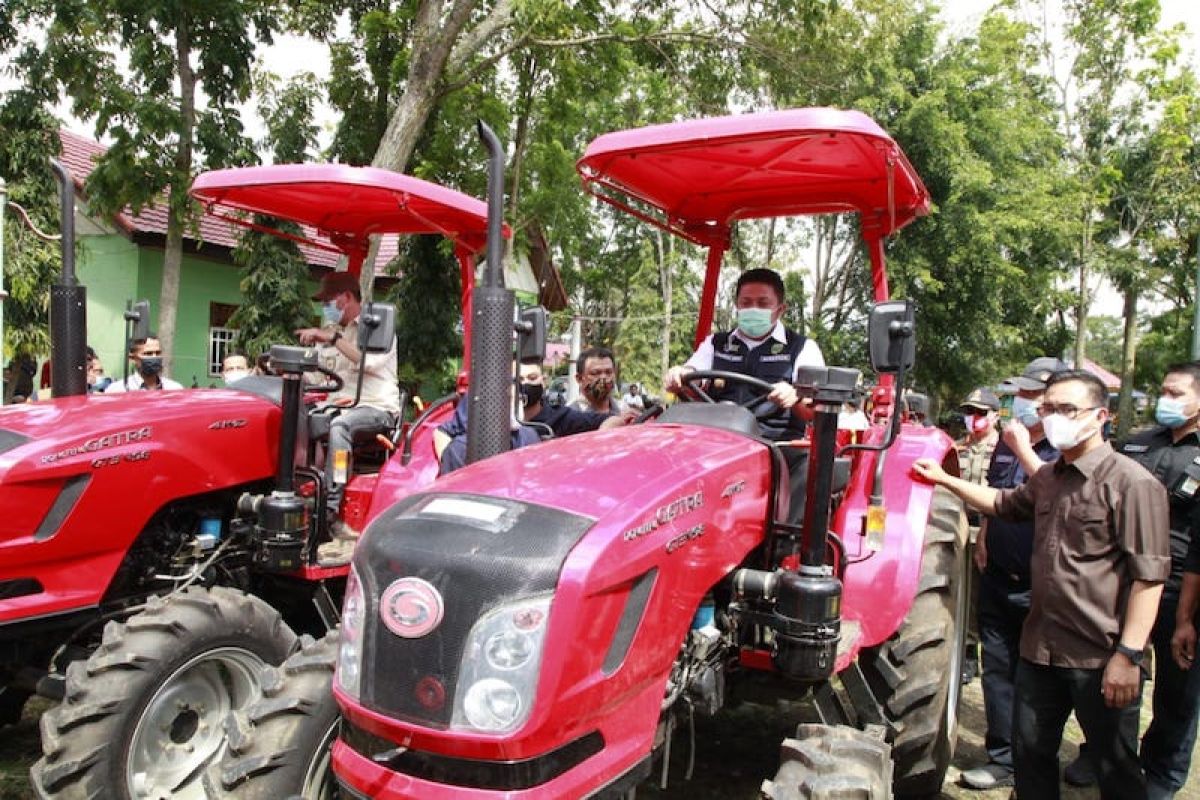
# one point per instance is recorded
(757, 404)
(653, 412)
(335, 382)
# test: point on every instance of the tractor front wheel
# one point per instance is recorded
(279, 746)
(827, 762)
(917, 673)
(143, 716)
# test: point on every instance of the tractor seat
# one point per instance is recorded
(726, 416)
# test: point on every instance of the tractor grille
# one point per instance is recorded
(476, 561)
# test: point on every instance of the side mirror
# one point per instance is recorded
(893, 338)
(139, 315)
(531, 335)
(376, 328)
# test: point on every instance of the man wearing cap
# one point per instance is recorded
(979, 411)
(1002, 555)
(377, 408)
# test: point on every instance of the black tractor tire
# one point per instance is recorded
(143, 716)
(917, 673)
(279, 746)
(832, 762)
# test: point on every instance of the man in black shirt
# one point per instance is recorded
(563, 420)
(1171, 452)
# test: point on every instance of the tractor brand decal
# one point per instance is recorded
(225, 424)
(411, 608)
(100, 443)
(112, 461)
(734, 488)
(685, 537)
(676, 508)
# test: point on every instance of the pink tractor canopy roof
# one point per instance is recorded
(345, 204)
(697, 178)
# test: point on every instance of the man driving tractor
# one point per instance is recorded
(376, 410)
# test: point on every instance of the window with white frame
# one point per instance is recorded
(220, 336)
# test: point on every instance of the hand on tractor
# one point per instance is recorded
(311, 336)
(783, 395)
(929, 471)
(618, 420)
(673, 380)
(1183, 643)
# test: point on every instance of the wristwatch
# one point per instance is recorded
(1135, 656)
(336, 335)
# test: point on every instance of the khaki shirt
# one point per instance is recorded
(381, 388)
(1100, 524)
(975, 456)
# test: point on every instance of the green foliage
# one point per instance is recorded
(428, 316)
(30, 263)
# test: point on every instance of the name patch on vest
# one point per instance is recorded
(1136, 448)
(780, 357)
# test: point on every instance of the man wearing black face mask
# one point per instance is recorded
(596, 372)
(146, 355)
(562, 421)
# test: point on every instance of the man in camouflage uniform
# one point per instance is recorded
(980, 410)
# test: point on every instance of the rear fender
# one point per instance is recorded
(879, 587)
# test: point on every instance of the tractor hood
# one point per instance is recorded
(78, 427)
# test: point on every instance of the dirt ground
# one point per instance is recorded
(735, 751)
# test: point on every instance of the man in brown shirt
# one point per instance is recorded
(1100, 558)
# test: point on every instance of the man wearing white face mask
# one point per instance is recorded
(761, 347)
(1001, 554)
(377, 408)
(1171, 452)
(1100, 558)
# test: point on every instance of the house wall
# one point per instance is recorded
(106, 267)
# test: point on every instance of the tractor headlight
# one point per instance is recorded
(349, 665)
(499, 671)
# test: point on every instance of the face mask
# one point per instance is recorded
(977, 423)
(1169, 412)
(754, 322)
(1064, 433)
(331, 313)
(598, 389)
(151, 365)
(1024, 411)
(531, 393)
(234, 375)
(101, 384)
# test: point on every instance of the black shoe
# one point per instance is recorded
(970, 670)
(1080, 772)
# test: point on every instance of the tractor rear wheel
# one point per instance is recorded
(828, 762)
(917, 673)
(143, 716)
(279, 746)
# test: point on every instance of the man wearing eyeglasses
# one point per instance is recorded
(1171, 452)
(1100, 558)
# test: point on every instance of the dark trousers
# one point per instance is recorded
(1045, 697)
(1003, 606)
(1167, 746)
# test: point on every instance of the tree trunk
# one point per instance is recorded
(168, 302)
(1125, 412)
(1081, 301)
(433, 39)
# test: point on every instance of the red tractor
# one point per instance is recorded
(158, 548)
(536, 625)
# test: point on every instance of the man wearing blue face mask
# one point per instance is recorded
(1003, 549)
(377, 408)
(1171, 452)
(761, 347)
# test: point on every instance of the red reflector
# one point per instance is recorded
(430, 693)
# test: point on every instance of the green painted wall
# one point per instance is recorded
(115, 271)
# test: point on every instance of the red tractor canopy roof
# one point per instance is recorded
(703, 175)
(345, 204)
